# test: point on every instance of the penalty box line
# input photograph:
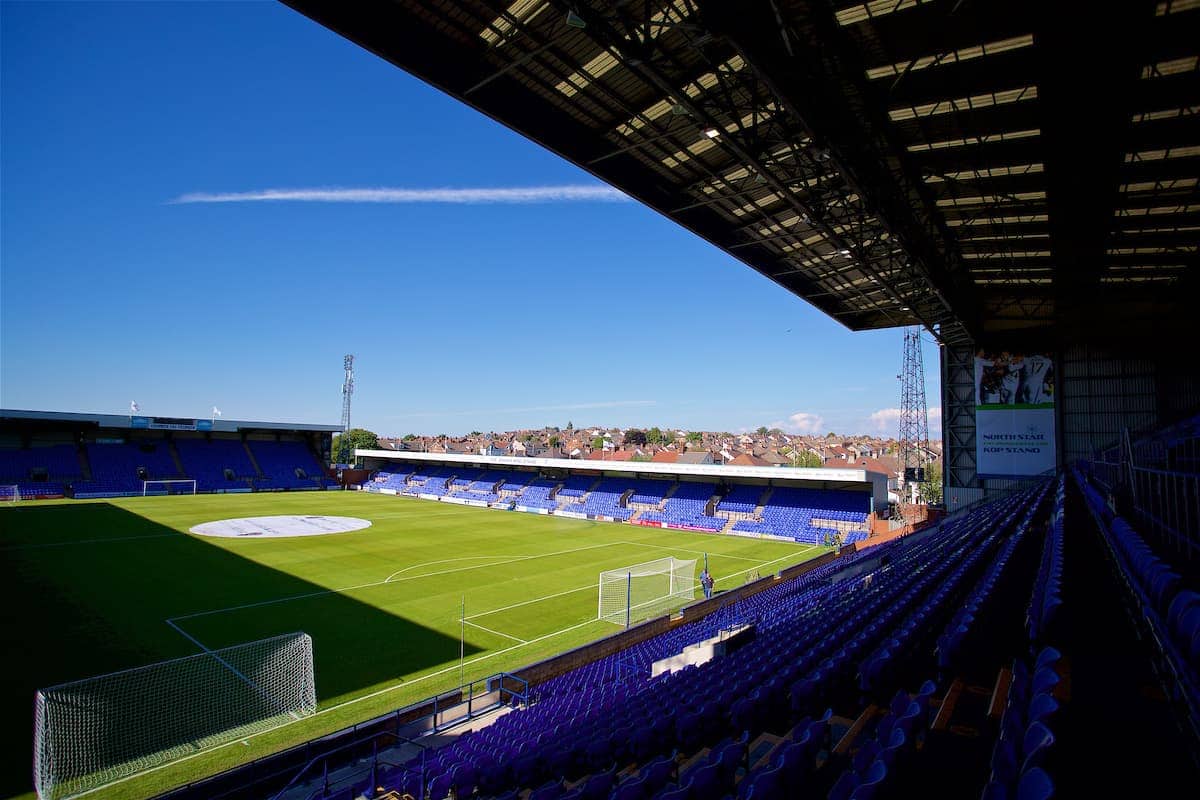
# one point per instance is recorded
(308, 595)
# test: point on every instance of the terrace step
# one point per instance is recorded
(258, 473)
(175, 457)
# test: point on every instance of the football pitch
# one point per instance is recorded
(96, 586)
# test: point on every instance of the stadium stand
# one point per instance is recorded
(208, 460)
(39, 471)
(115, 468)
(606, 727)
(287, 465)
(537, 495)
(741, 499)
(686, 508)
(605, 499)
(576, 486)
(797, 514)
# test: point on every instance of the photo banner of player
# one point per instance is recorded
(1014, 414)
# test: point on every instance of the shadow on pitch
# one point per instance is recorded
(87, 589)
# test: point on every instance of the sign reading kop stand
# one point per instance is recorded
(1014, 414)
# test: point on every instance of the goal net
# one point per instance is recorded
(641, 591)
(91, 732)
(10, 493)
(178, 486)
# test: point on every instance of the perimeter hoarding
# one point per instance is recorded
(1014, 414)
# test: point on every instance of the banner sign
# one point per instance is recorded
(1014, 414)
(170, 424)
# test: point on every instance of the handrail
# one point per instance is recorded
(440, 703)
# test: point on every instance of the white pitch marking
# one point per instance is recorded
(379, 583)
(534, 600)
(508, 560)
(442, 561)
(498, 633)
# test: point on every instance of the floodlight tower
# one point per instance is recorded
(343, 456)
(914, 417)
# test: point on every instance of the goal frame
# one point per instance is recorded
(16, 492)
(193, 704)
(622, 579)
(192, 481)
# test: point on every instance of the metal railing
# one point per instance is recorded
(1153, 479)
(350, 763)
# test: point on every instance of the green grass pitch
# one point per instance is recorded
(94, 586)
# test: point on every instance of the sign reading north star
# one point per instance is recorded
(1014, 414)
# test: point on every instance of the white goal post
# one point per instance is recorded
(91, 732)
(185, 483)
(641, 591)
(10, 493)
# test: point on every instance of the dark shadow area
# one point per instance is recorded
(87, 588)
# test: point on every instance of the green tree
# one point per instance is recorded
(408, 437)
(932, 490)
(554, 441)
(806, 458)
(775, 432)
(655, 436)
(635, 436)
(761, 430)
(476, 433)
(639, 457)
(354, 439)
(695, 437)
(598, 443)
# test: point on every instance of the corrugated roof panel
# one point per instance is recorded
(974, 140)
(991, 172)
(1175, 66)
(987, 100)
(876, 8)
(952, 57)
(522, 11)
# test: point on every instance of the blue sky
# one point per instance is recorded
(484, 315)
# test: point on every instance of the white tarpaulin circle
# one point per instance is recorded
(279, 527)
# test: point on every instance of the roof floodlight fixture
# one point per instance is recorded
(574, 20)
(712, 133)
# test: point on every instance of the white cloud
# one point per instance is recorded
(800, 422)
(887, 420)
(569, 193)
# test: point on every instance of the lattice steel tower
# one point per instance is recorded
(343, 455)
(914, 417)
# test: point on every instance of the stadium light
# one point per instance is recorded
(712, 133)
(575, 21)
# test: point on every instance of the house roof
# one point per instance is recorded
(748, 460)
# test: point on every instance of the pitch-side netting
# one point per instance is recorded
(94, 731)
(641, 591)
